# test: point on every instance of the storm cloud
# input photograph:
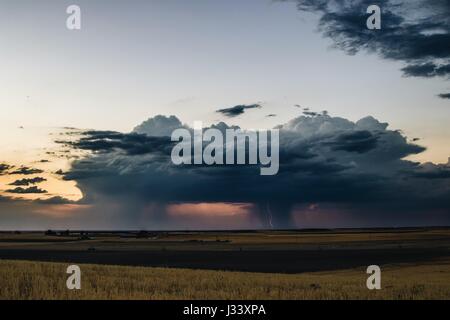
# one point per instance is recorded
(323, 160)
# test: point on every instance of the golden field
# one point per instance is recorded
(43, 280)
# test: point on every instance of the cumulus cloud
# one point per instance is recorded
(159, 126)
(26, 171)
(323, 159)
(238, 110)
(27, 182)
(29, 190)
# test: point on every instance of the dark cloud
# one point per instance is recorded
(444, 95)
(131, 143)
(29, 190)
(357, 141)
(308, 112)
(238, 110)
(4, 168)
(433, 171)
(26, 171)
(438, 174)
(27, 182)
(59, 172)
(54, 200)
(426, 70)
(323, 159)
(416, 32)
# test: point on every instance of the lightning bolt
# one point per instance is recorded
(269, 212)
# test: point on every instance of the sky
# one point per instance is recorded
(134, 60)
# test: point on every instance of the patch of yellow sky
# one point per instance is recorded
(36, 148)
(438, 151)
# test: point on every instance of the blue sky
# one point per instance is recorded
(135, 59)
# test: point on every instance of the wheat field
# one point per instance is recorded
(42, 280)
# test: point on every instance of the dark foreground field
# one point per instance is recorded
(293, 261)
(47, 280)
(268, 251)
(415, 264)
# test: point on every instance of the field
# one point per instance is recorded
(37, 280)
(327, 264)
